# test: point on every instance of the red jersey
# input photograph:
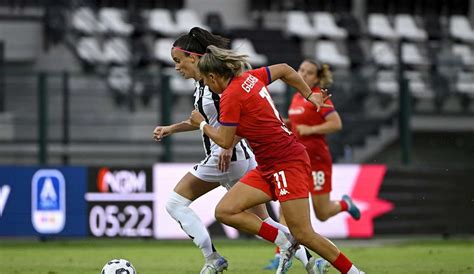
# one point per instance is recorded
(246, 103)
(303, 112)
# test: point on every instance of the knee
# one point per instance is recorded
(302, 233)
(322, 215)
(224, 212)
(175, 202)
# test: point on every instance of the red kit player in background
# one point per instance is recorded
(283, 172)
(310, 127)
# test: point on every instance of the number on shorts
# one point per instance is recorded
(277, 176)
(318, 180)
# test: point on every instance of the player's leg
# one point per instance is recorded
(297, 216)
(323, 206)
(186, 191)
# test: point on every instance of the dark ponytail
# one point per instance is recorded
(198, 39)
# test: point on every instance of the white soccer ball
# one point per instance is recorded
(118, 266)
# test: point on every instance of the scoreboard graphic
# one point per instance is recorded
(120, 202)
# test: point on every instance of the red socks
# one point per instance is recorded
(344, 205)
(342, 263)
(268, 232)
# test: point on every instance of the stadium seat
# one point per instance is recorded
(162, 51)
(89, 50)
(383, 54)
(277, 87)
(85, 21)
(299, 25)
(406, 27)
(245, 46)
(161, 21)
(386, 83)
(325, 26)
(461, 29)
(412, 55)
(327, 52)
(465, 53)
(379, 27)
(465, 83)
(186, 19)
(419, 87)
(113, 20)
(117, 51)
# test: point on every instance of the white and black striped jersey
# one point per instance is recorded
(207, 103)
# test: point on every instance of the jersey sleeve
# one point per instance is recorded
(229, 110)
(325, 111)
(263, 74)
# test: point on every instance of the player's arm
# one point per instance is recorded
(288, 75)
(332, 124)
(223, 136)
(163, 131)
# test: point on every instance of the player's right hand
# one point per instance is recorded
(161, 132)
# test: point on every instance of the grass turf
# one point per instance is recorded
(245, 256)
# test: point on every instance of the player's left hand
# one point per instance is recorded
(224, 159)
(196, 118)
(304, 130)
(319, 99)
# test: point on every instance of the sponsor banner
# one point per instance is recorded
(36, 201)
(120, 202)
(361, 182)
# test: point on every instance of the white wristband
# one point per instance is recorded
(201, 125)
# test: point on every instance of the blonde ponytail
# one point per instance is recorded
(325, 76)
(223, 62)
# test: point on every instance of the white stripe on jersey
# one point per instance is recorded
(207, 103)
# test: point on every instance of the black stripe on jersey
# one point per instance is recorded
(216, 99)
(247, 155)
(207, 159)
(207, 142)
(234, 155)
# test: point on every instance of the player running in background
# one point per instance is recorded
(283, 170)
(220, 166)
(310, 127)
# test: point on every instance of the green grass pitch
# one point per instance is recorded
(245, 256)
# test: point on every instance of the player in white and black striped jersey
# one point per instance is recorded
(207, 103)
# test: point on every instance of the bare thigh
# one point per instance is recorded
(192, 187)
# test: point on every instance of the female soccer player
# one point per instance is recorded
(284, 169)
(310, 127)
(220, 166)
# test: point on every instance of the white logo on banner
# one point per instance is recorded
(4, 193)
(48, 195)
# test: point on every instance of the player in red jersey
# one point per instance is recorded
(310, 127)
(284, 169)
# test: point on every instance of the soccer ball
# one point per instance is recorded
(118, 266)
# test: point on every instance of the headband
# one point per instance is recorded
(187, 51)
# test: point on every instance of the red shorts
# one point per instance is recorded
(286, 181)
(321, 182)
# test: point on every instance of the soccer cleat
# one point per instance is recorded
(352, 208)
(286, 258)
(317, 266)
(215, 266)
(273, 265)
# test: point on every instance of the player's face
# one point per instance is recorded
(185, 64)
(309, 73)
(213, 82)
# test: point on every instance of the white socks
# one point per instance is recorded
(301, 252)
(354, 270)
(178, 207)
